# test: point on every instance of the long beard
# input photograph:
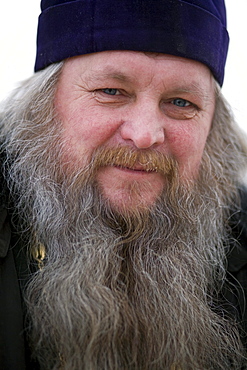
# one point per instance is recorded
(132, 291)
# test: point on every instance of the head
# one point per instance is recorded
(125, 165)
(105, 49)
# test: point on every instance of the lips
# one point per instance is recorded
(136, 168)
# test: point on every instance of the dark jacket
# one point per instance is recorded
(14, 272)
(14, 353)
(12, 347)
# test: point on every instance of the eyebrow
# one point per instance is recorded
(193, 88)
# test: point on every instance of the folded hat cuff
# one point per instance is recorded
(176, 28)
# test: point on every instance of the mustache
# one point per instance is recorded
(148, 160)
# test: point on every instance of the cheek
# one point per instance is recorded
(87, 129)
(187, 146)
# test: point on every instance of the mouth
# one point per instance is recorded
(135, 161)
(140, 169)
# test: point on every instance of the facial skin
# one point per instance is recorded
(141, 101)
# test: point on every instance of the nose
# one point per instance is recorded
(143, 127)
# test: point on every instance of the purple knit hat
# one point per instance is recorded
(194, 29)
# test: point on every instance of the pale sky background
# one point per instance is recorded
(18, 24)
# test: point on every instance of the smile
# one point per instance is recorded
(139, 169)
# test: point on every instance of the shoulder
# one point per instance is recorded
(234, 290)
(237, 257)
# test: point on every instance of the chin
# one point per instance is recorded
(130, 196)
(131, 204)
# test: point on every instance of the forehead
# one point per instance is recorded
(137, 67)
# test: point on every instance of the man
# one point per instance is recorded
(123, 236)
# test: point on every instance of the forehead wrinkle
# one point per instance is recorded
(114, 73)
(109, 73)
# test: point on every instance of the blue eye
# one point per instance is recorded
(181, 103)
(109, 91)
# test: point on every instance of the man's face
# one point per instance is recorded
(143, 102)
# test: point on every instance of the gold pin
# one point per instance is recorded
(39, 253)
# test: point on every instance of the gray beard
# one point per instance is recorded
(134, 291)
